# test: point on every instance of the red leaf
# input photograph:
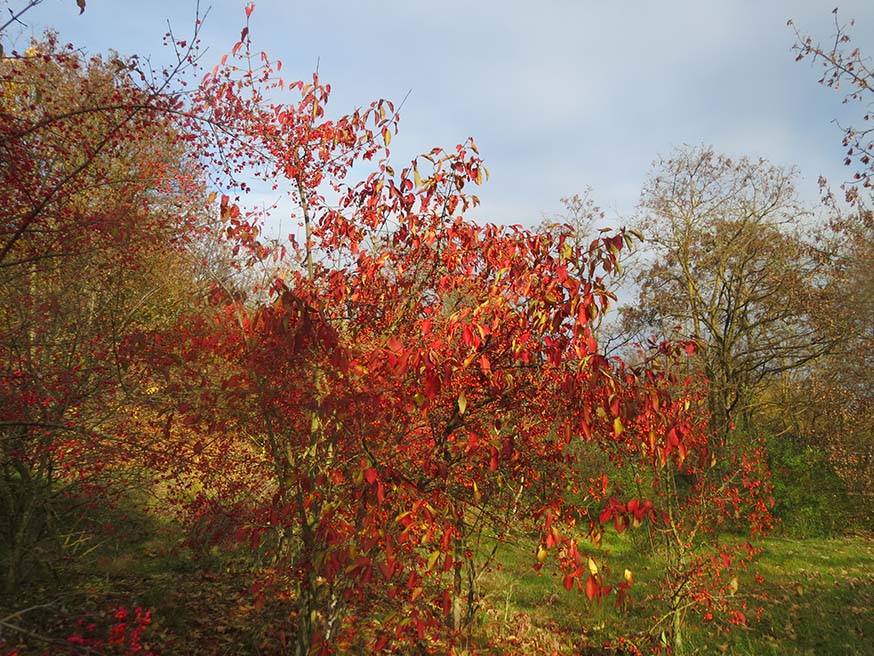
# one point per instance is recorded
(569, 582)
(466, 335)
(591, 588)
(370, 475)
(550, 539)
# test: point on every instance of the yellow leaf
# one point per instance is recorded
(386, 136)
(732, 585)
(432, 560)
(618, 428)
(462, 403)
(593, 567)
(541, 553)
(629, 577)
(596, 538)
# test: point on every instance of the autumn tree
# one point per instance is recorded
(728, 264)
(415, 365)
(412, 377)
(842, 382)
(96, 206)
(847, 70)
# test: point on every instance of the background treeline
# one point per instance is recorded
(778, 294)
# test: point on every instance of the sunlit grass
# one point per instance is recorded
(818, 596)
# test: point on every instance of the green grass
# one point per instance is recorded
(819, 599)
(539, 616)
(818, 596)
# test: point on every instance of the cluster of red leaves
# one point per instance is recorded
(419, 376)
(123, 636)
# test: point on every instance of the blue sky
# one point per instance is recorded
(560, 95)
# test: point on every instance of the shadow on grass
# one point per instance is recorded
(123, 557)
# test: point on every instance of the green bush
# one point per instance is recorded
(810, 498)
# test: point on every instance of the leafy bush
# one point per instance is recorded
(811, 499)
